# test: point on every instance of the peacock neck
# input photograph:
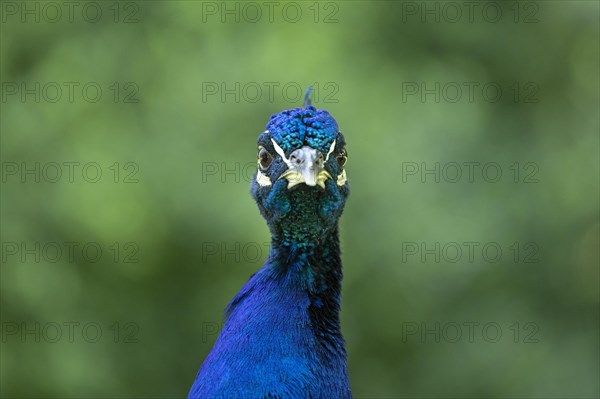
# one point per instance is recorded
(313, 263)
(315, 268)
(305, 250)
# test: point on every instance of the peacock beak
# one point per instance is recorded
(306, 165)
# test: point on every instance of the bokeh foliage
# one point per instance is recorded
(177, 291)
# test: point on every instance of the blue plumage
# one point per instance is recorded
(282, 338)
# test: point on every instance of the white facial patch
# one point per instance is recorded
(262, 179)
(341, 180)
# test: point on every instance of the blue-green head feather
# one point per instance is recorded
(303, 126)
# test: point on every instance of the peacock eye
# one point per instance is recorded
(342, 157)
(264, 158)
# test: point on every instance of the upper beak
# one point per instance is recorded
(306, 165)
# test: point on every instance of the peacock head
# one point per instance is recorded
(301, 168)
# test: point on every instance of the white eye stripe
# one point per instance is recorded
(281, 153)
(330, 150)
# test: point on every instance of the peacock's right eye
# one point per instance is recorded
(264, 158)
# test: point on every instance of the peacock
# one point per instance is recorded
(281, 337)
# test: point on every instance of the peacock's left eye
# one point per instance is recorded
(264, 158)
(342, 157)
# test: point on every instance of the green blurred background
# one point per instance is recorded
(180, 234)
